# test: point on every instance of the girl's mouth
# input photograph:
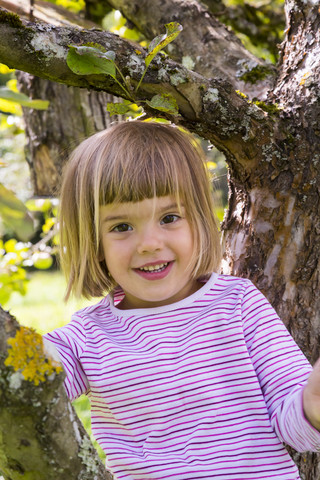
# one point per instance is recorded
(156, 271)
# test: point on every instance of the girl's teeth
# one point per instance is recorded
(152, 268)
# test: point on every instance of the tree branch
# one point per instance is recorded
(204, 43)
(262, 24)
(210, 108)
(46, 12)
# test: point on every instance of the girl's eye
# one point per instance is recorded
(169, 219)
(122, 227)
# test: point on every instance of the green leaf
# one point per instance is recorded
(157, 120)
(10, 245)
(40, 205)
(86, 60)
(118, 108)
(15, 214)
(165, 103)
(158, 43)
(22, 99)
(5, 293)
(10, 281)
(42, 260)
(49, 223)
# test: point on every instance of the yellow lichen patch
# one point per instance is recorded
(241, 94)
(27, 356)
(304, 78)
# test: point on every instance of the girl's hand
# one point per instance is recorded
(311, 397)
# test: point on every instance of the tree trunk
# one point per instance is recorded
(272, 231)
(272, 236)
(40, 434)
(73, 115)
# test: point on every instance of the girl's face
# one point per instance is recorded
(147, 247)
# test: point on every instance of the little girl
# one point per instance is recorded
(191, 375)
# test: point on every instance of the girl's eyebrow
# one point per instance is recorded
(124, 216)
(172, 206)
(113, 218)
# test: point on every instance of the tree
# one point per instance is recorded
(265, 119)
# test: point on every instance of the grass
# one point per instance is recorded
(43, 309)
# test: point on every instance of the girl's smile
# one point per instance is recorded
(148, 247)
(155, 271)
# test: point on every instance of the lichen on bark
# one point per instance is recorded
(27, 357)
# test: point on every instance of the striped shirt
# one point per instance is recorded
(205, 388)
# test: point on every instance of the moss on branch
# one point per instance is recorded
(10, 18)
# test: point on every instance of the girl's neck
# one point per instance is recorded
(127, 304)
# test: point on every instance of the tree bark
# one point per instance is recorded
(43, 11)
(272, 230)
(40, 434)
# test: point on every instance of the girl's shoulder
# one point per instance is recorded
(102, 306)
(232, 289)
(227, 282)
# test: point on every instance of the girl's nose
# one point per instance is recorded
(150, 240)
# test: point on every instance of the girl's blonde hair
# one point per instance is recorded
(129, 162)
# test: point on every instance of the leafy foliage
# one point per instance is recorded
(259, 25)
(10, 97)
(89, 60)
(119, 108)
(13, 277)
(16, 256)
(83, 409)
(114, 22)
(164, 103)
(15, 214)
(75, 6)
(19, 221)
(22, 99)
(95, 60)
(160, 42)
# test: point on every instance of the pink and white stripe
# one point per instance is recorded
(206, 388)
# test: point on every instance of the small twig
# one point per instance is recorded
(31, 16)
(45, 239)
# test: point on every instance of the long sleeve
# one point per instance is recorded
(70, 341)
(282, 370)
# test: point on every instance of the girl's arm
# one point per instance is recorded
(70, 341)
(311, 397)
(283, 373)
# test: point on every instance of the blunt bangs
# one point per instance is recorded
(147, 175)
(146, 162)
